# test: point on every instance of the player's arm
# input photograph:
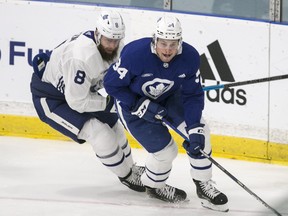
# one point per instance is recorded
(193, 99)
(77, 88)
(193, 95)
(117, 81)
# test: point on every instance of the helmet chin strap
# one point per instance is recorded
(180, 47)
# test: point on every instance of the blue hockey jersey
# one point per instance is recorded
(140, 72)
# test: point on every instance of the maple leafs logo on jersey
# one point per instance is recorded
(156, 90)
(157, 87)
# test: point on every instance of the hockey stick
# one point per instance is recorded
(167, 123)
(225, 86)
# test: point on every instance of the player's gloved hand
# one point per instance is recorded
(148, 110)
(109, 103)
(196, 139)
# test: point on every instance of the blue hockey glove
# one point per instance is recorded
(197, 139)
(148, 110)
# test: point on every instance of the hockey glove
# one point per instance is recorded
(148, 110)
(196, 138)
(109, 104)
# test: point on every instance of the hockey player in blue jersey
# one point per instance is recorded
(159, 76)
(65, 88)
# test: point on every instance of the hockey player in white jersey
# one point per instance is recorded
(65, 89)
(159, 76)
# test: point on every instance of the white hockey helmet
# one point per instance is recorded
(168, 27)
(110, 24)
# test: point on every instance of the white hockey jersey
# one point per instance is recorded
(77, 69)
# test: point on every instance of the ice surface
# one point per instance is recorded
(62, 178)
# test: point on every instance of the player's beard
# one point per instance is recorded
(105, 55)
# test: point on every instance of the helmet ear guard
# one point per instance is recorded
(111, 25)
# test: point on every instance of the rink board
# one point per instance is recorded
(223, 146)
(246, 121)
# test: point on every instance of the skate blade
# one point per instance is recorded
(177, 202)
(221, 208)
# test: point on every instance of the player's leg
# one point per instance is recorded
(112, 120)
(132, 180)
(162, 150)
(106, 146)
(83, 127)
(158, 169)
(104, 143)
(65, 120)
(201, 167)
(201, 172)
(123, 142)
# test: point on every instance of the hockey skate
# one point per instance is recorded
(139, 170)
(167, 194)
(210, 197)
(133, 179)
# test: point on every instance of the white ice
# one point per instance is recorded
(62, 178)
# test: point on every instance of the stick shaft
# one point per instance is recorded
(223, 169)
(267, 79)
